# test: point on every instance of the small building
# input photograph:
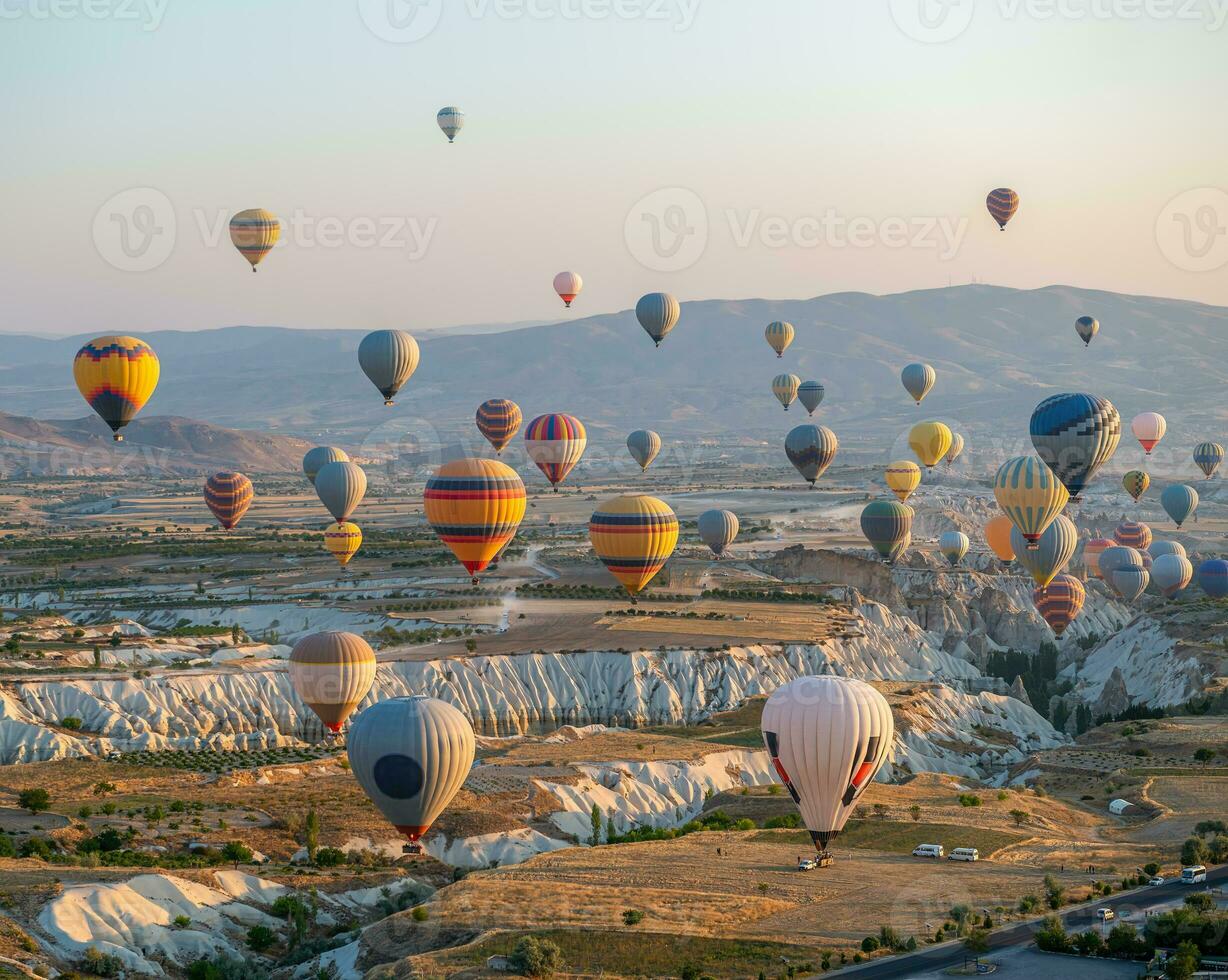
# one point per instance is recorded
(1122, 808)
(497, 962)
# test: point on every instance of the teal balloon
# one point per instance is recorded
(657, 313)
(810, 394)
(1057, 547)
(887, 525)
(1179, 502)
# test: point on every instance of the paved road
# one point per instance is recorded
(1078, 919)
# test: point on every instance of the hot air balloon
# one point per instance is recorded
(1115, 558)
(811, 449)
(784, 387)
(254, 232)
(1171, 573)
(1213, 577)
(998, 537)
(1030, 494)
(331, 673)
(410, 756)
(657, 313)
(1179, 502)
(313, 459)
(451, 120)
(1055, 549)
(389, 358)
(116, 376)
(499, 420)
(953, 545)
(342, 541)
(918, 379)
(475, 506)
(1136, 483)
(1092, 551)
(1208, 456)
(930, 441)
(956, 450)
(634, 536)
(643, 444)
(779, 336)
(341, 487)
(717, 529)
(902, 477)
(555, 443)
(887, 525)
(1133, 534)
(1075, 434)
(810, 394)
(568, 286)
(1157, 549)
(1149, 429)
(1130, 581)
(1002, 203)
(228, 495)
(1060, 603)
(1087, 327)
(827, 737)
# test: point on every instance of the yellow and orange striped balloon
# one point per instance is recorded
(332, 672)
(475, 506)
(254, 232)
(229, 495)
(342, 541)
(634, 536)
(903, 477)
(116, 375)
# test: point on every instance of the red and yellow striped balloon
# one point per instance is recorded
(342, 541)
(555, 443)
(499, 420)
(228, 495)
(634, 536)
(254, 232)
(475, 506)
(1061, 602)
(116, 375)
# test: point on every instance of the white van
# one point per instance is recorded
(927, 851)
(1195, 875)
(964, 854)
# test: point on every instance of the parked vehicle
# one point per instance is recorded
(928, 851)
(1194, 875)
(1157, 880)
(964, 854)
(1105, 915)
(807, 864)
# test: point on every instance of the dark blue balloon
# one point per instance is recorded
(398, 776)
(1075, 434)
(1213, 577)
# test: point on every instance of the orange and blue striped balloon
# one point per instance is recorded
(1002, 204)
(228, 495)
(1060, 603)
(254, 232)
(116, 376)
(555, 443)
(475, 506)
(499, 420)
(634, 536)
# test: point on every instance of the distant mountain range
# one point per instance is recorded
(997, 351)
(153, 446)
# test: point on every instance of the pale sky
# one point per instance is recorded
(772, 122)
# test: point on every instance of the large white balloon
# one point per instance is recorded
(827, 737)
(410, 756)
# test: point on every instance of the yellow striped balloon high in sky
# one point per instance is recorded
(779, 336)
(1030, 494)
(342, 541)
(116, 375)
(254, 232)
(475, 506)
(388, 358)
(634, 536)
(903, 477)
(555, 443)
(784, 387)
(331, 673)
(228, 495)
(499, 420)
(930, 441)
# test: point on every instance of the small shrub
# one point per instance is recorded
(632, 917)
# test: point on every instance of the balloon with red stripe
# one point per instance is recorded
(228, 495)
(475, 506)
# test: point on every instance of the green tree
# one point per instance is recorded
(632, 917)
(1193, 851)
(1184, 962)
(1055, 892)
(535, 957)
(97, 655)
(914, 811)
(1204, 755)
(1124, 942)
(260, 938)
(1020, 816)
(235, 634)
(311, 833)
(1051, 937)
(116, 639)
(35, 799)
(594, 819)
(236, 853)
(1088, 943)
(977, 943)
